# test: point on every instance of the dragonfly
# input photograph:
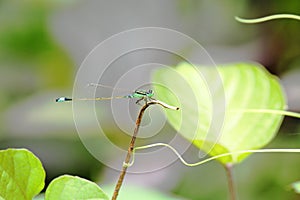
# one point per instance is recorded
(141, 95)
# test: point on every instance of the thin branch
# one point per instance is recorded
(132, 142)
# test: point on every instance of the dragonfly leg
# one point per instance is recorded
(138, 101)
(151, 98)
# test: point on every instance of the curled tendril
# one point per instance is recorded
(267, 18)
(268, 111)
(214, 157)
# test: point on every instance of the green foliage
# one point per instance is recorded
(22, 177)
(22, 174)
(71, 187)
(212, 101)
(28, 47)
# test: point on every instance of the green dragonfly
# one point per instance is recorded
(145, 95)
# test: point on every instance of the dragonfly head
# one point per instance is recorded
(150, 93)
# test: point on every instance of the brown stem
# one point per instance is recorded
(132, 142)
(228, 168)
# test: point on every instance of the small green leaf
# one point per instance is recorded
(211, 100)
(21, 174)
(68, 187)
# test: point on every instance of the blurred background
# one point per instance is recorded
(43, 43)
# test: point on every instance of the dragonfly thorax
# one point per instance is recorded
(141, 94)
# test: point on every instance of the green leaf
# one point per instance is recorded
(211, 100)
(68, 187)
(21, 174)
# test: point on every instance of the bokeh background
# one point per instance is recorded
(43, 43)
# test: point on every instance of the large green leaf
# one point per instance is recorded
(21, 174)
(211, 100)
(68, 187)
